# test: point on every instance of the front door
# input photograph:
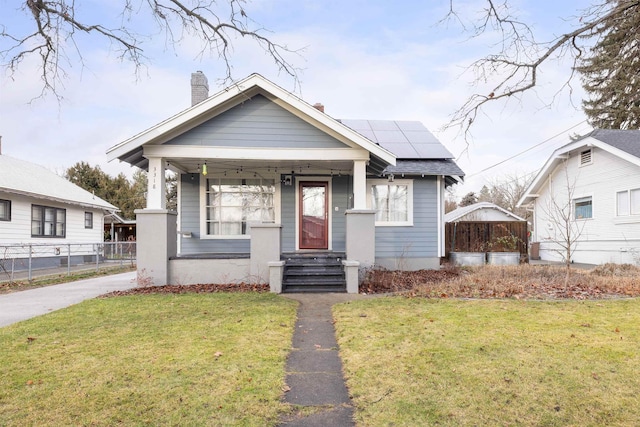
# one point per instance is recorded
(313, 215)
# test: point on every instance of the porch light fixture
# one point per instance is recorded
(390, 177)
(204, 169)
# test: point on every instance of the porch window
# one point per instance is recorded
(5, 210)
(628, 202)
(392, 202)
(47, 221)
(583, 208)
(232, 204)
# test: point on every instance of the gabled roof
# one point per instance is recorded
(29, 179)
(624, 144)
(465, 210)
(130, 150)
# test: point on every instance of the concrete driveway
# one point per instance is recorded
(23, 305)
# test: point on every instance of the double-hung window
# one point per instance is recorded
(88, 220)
(5, 210)
(628, 202)
(583, 208)
(392, 202)
(232, 204)
(47, 221)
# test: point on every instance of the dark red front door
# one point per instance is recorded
(313, 215)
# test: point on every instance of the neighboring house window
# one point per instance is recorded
(585, 158)
(5, 210)
(47, 221)
(583, 208)
(88, 220)
(628, 202)
(231, 204)
(392, 202)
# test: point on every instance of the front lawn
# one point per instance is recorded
(415, 361)
(193, 359)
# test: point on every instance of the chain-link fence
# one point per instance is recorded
(22, 261)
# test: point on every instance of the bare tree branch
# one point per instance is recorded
(520, 57)
(55, 26)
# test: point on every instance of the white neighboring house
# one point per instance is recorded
(39, 207)
(598, 178)
(482, 211)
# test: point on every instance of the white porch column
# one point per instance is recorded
(359, 184)
(156, 191)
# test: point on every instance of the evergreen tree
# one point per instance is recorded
(611, 73)
(468, 199)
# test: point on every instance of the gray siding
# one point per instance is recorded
(418, 241)
(190, 221)
(341, 194)
(288, 217)
(257, 122)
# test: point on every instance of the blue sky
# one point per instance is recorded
(362, 59)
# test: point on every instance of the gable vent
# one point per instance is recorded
(585, 157)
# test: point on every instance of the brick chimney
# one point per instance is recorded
(318, 106)
(199, 87)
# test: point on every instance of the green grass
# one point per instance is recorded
(491, 362)
(212, 359)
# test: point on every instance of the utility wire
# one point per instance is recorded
(527, 150)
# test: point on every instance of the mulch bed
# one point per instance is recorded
(184, 289)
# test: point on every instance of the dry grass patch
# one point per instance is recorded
(415, 361)
(208, 359)
(523, 281)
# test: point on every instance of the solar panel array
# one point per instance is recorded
(405, 139)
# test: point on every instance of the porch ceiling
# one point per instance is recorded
(216, 167)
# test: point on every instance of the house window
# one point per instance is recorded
(5, 210)
(583, 208)
(88, 220)
(231, 204)
(585, 157)
(47, 221)
(392, 202)
(628, 202)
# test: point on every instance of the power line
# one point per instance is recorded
(527, 150)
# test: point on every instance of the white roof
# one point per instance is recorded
(29, 179)
(464, 210)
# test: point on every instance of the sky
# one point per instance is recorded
(362, 59)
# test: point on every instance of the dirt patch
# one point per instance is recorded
(183, 289)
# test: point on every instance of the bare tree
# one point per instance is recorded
(564, 225)
(506, 192)
(57, 27)
(513, 69)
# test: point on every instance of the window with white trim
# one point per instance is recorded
(583, 208)
(47, 221)
(88, 220)
(232, 204)
(628, 202)
(5, 210)
(392, 202)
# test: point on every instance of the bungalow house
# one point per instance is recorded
(41, 213)
(273, 189)
(588, 193)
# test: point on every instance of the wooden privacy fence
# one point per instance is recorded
(479, 236)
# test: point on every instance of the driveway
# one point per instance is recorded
(23, 305)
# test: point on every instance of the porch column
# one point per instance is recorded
(156, 198)
(359, 184)
(265, 248)
(156, 243)
(361, 238)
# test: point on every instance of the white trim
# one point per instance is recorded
(296, 185)
(252, 153)
(440, 213)
(179, 209)
(203, 213)
(409, 184)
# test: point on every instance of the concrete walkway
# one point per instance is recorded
(23, 305)
(314, 369)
